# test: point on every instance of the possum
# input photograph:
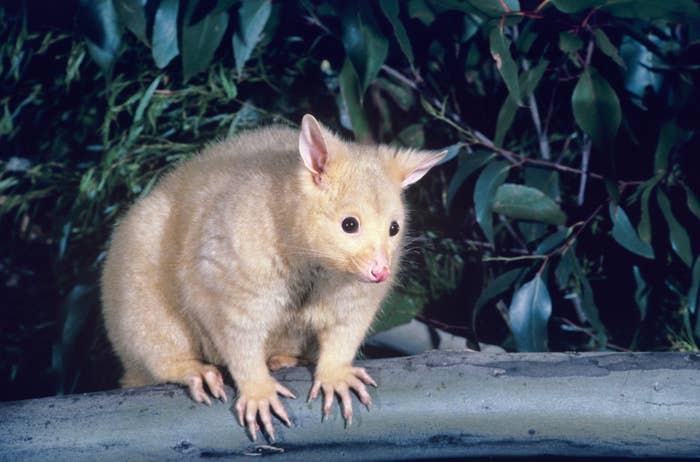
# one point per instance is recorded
(269, 249)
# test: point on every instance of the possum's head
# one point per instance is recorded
(355, 212)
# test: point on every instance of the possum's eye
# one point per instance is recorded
(393, 229)
(350, 225)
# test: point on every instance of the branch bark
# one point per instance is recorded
(433, 405)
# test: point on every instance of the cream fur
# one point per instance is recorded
(238, 256)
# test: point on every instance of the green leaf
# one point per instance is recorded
(350, 93)
(465, 167)
(607, 47)
(569, 42)
(364, 43)
(565, 268)
(545, 180)
(133, 15)
(227, 84)
(398, 308)
(145, 99)
(506, 116)
(523, 202)
(420, 10)
(413, 135)
(165, 33)
(252, 17)
(641, 293)
(694, 292)
(613, 190)
(625, 235)
(670, 136)
(488, 182)
(641, 73)
(496, 8)
(472, 24)
(553, 241)
(529, 314)
(692, 201)
(452, 152)
(644, 227)
(401, 95)
(488, 8)
(101, 27)
(533, 77)
(680, 242)
(505, 64)
(648, 10)
(74, 312)
(528, 82)
(574, 6)
(200, 41)
(500, 284)
(596, 107)
(223, 5)
(390, 8)
(590, 310)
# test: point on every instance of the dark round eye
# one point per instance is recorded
(350, 225)
(393, 229)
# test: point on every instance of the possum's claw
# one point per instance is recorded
(261, 402)
(341, 381)
(215, 383)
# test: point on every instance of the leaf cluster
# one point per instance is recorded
(563, 216)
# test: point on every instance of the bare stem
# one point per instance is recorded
(475, 137)
(585, 156)
(591, 334)
(518, 258)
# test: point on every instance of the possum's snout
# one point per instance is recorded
(377, 270)
(379, 274)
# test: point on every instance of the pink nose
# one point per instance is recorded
(380, 274)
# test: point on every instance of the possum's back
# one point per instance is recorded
(261, 150)
(153, 236)
(245, 166)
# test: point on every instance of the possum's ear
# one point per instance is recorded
(413, 165)
(312, 146)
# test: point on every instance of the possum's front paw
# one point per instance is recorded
(258, 399)
(212, 377)
(340, 381)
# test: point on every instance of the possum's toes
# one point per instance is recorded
(277, 362)
(215, 383)
(341, 381)
(262, 401)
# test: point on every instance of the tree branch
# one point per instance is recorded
(430, 406)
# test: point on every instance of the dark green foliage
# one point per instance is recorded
(565, 218)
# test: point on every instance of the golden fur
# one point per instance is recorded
(237, 258)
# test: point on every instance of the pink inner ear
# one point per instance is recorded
(422, 168)
(312, 147)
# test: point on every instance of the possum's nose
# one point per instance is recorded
(379, 271)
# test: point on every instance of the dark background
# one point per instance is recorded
(74, 155)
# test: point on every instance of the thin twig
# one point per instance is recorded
(545, 151)
(512, 232)
(519, 258)
(399, 76)
(488, 245)
(475, 137)
(585, 156)
(592, 335)
(586, 153)
(541, 5)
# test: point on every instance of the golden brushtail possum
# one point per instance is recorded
(268, 248)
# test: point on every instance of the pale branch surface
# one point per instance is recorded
(438, 404)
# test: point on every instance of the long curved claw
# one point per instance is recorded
(251, 406)
(340, 382)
